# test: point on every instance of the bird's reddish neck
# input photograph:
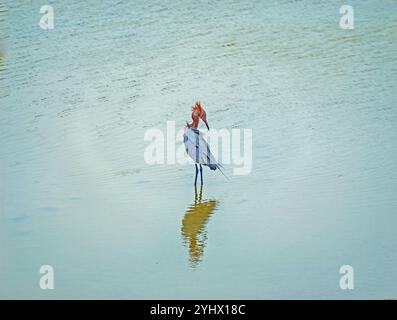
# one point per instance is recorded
(195, 121)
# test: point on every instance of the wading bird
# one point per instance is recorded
(196, 146)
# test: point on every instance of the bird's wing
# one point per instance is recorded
(197, 148)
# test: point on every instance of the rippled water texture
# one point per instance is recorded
(76, 193)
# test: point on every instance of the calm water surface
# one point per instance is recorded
(76, 193)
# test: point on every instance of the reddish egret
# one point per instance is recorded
(196, 146)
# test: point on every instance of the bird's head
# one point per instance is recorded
(200, 112)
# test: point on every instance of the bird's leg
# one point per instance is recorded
(201, 174)
(195, 179)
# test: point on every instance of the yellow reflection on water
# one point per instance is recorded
(193, 226)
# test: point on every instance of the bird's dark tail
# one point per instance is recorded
(219, 167)
(212, 166)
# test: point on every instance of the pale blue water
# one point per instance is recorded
(76, 193)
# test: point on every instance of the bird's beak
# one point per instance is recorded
(206, 123)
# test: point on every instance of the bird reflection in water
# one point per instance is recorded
(193, 226)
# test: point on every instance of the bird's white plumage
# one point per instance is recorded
(197, 148)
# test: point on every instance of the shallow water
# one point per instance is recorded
(76, 193)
